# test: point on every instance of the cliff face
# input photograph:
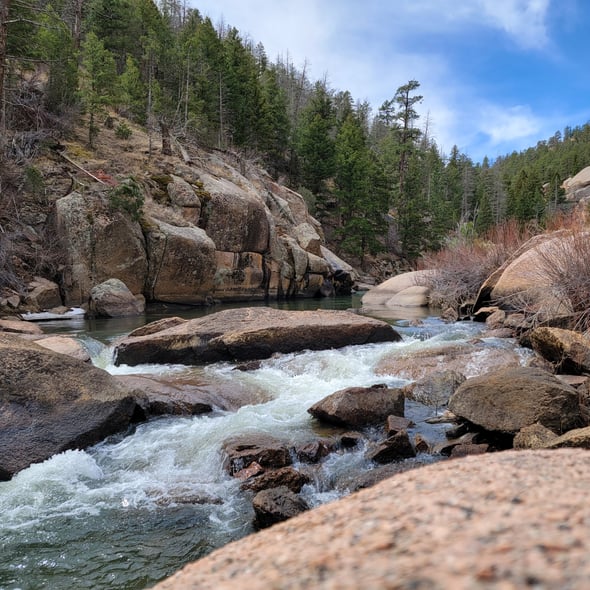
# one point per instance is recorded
(212, 226)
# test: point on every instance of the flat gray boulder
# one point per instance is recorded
(251, 333)
(50, 403)
(509, 399)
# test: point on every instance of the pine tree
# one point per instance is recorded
(98, 81)
(315, 144)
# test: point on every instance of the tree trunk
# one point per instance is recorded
(166, 141)
(4, 9)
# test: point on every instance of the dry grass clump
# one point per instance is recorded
(567, 266)
(466, 262)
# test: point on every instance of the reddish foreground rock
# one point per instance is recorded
(516, 519)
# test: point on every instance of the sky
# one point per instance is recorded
(496, 75)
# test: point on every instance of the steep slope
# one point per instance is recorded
(190, 227)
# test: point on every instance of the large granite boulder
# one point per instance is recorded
(65, 345)
(406, 289)
(507, 400)
(99, 244)
(344, 277)
(235, 219)
(251, 333)
(181, 264)
(568, 351)
(356, 407)
(112, 299)
(181, 394)
(50, 403)
(500, 520)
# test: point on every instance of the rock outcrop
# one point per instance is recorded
(208, 232)
(528, 279)
(50, 403)
(251, 333)
(99, 245)
(577, 188)
(492, 521)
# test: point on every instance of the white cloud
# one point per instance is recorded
(523, 20)
(508, 124)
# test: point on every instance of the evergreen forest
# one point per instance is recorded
(373, 175)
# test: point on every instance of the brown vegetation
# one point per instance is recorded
(567, 265)
(464, 263)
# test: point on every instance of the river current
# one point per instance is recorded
(134, 509)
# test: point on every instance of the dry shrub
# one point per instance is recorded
(9, 276)
(465, 263)
(572, 219)
(461, 267)
(567, 266)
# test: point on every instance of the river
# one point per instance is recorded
(134, 509)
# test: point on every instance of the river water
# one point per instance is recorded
(134, 509)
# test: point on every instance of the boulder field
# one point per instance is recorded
(51, 402)
(497, 521)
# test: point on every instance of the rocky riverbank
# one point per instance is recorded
(497, 397)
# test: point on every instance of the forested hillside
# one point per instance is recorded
(372, 174)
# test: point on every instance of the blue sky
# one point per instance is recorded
(496, 75)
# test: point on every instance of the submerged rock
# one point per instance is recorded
(251, 333)
(469, 359)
